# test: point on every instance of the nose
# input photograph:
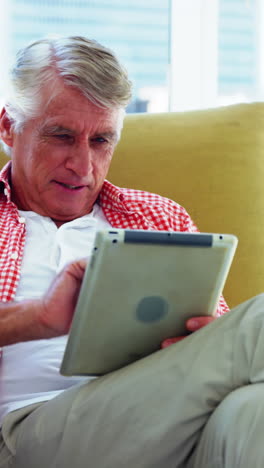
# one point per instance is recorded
(79, 160)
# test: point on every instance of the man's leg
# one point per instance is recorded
(150, 414)
(233, 436)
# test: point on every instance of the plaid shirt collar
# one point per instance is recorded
(5, 181)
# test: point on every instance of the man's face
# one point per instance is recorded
(61, 158)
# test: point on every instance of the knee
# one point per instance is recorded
(233, 436)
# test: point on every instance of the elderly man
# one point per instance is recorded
(60, 125)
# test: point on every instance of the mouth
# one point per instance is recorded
(70, 186)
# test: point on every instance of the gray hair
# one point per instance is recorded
(82, 63)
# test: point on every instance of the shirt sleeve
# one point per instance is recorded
(222, 307)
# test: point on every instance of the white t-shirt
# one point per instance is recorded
(30, 370)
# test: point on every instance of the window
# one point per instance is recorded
(238, 49)
(137, 30)
(180, 54)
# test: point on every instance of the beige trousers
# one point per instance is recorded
(198, 403)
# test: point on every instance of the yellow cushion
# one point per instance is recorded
(3, 158)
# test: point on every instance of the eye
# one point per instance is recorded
(99, 140)
(63, 136)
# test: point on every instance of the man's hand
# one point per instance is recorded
(50, 316)
(193, 324)
(58, 304)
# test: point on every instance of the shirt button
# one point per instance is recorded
(21, 220)
(14, 256)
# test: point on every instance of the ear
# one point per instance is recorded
(6, 131)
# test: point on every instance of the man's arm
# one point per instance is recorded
(47, 317)
(18, 322)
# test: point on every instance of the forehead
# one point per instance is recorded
(71, 109)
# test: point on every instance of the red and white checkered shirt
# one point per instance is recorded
(123, 208)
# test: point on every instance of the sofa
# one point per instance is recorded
(212, 163)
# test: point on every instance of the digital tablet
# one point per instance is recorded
(139, 288)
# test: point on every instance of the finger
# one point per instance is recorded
(75, 270)
(194, 324)
(171, 341)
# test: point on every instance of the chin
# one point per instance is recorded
(61, 216)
